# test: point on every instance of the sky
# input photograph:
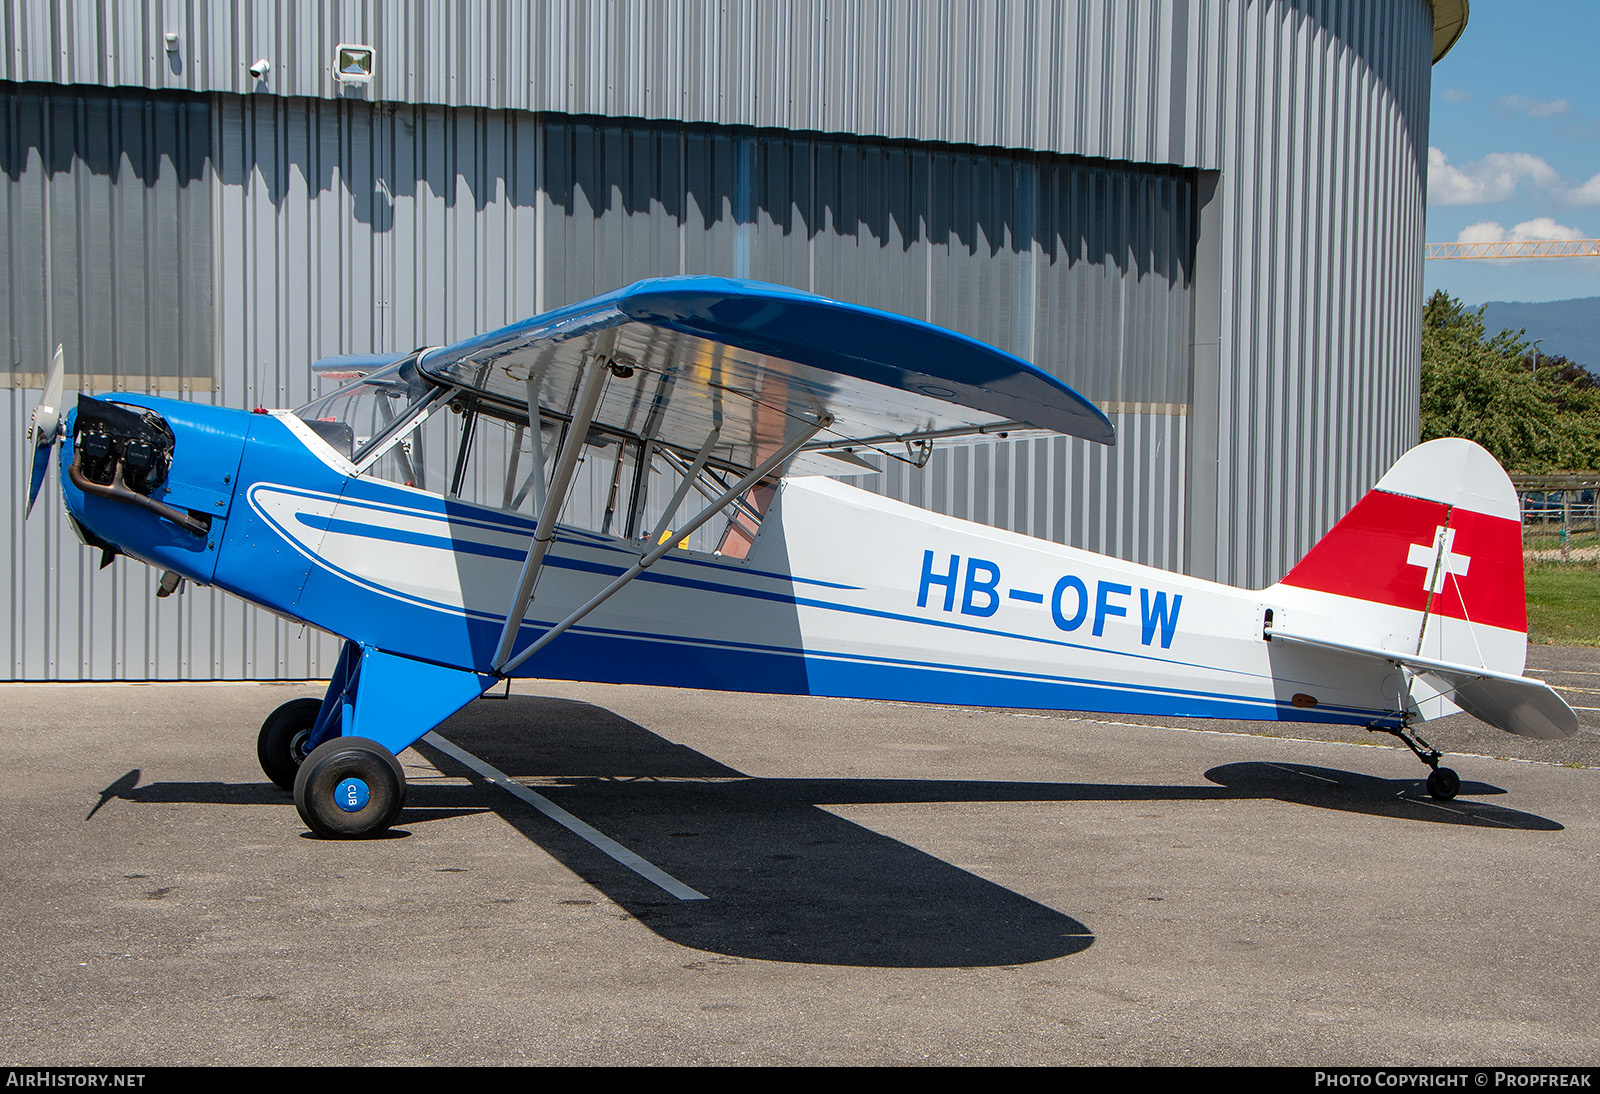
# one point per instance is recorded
(1514, 147)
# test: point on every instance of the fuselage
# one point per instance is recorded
(843, 593)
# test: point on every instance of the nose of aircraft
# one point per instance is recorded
(153, 478)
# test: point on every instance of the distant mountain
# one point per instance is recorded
(1568, 327)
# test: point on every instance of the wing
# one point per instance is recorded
(761, 363)
(717, 376)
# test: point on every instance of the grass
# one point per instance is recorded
(1564, 603)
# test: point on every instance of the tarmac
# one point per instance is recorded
(873, 883)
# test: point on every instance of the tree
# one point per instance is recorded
(1532, 419)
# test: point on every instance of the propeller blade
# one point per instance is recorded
(41, 464)
(46, 429)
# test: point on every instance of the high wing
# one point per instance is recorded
(717, 375)
(760, 363)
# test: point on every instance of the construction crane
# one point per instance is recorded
(1536, 248)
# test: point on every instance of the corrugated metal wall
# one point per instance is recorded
(325, 227)
(1080, 267)
(1083, 76)
(1317, 304)
(1253, 318)
(1139, 80)
(106, 243)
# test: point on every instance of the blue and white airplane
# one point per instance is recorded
(418, 513)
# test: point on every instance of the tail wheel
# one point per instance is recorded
(281, 744)
(348, 788)
(1444, 783)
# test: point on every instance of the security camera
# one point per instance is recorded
(259, 70)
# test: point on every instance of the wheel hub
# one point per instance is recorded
(352, 795)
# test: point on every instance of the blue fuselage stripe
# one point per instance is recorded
(381, 534)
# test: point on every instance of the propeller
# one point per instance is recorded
(47, 426)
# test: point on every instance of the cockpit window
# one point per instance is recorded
(396, 425)
(360, 416)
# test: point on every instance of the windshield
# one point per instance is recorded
(397, 425)
(360, 415)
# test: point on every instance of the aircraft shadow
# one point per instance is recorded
(787, 879)
(1326, 788)
(790, 880)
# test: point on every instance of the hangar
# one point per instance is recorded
(1205, 215)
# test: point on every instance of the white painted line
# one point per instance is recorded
(601, 841)
(1449, 809)
(1307, 774)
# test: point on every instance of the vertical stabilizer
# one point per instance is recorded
(1440, 539)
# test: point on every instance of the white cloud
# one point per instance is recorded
(1586, 194)
(1456, 95)
(1493, 178)
(1489, 231)
(1534, 108)
(1529, 231)
(1483, 231)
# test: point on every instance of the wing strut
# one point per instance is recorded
(556, 496)
(706, 490)
(727, 497)
(511, 472)
(690, 476)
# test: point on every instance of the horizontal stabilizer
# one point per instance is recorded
(1522, 706)
(1516, 704)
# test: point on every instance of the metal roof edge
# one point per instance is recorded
(1449, 21)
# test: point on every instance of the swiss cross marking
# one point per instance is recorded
(1437, 561)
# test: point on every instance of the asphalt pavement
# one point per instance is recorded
(881, 883)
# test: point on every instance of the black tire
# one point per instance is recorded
(329, 765)
(1444, 784)
(281, 744)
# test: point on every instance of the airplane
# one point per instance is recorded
(513, 505)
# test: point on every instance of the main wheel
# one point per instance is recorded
(349, 787)
(1444, 784)
(281, 745)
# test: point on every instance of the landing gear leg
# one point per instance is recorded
(339, 754)
(1443, 783)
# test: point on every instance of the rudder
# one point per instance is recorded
(1439, 535)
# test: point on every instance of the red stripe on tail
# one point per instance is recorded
(1384, 551)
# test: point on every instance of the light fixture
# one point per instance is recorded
(353, 64)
